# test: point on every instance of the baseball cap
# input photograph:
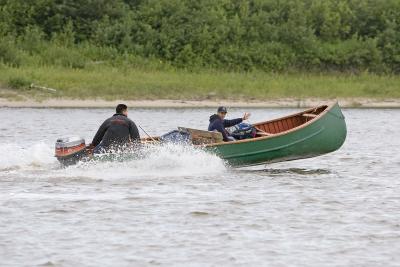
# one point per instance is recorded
(222, 109)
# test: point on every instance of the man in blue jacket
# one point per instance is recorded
(218, 123)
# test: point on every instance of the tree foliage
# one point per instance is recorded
(271, 35)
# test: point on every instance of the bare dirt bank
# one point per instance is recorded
(163, 103)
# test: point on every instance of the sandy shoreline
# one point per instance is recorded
(163, 103)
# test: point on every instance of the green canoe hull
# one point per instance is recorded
(326, 133)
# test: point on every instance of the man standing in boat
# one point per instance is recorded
(219, 123)
(116, 132)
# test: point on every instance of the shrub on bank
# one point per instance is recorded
(19, 83)
(9, 54)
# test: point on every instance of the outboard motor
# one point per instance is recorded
(69, 150)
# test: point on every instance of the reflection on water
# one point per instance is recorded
(300, 171)
(182, 207)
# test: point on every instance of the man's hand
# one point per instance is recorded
(246, 116)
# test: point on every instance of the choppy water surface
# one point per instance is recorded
(181, 207)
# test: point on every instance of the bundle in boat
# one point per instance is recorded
(191, 136)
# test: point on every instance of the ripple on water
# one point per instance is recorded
(200, 213)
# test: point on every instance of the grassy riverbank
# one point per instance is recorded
(110, 83)
(207, 50)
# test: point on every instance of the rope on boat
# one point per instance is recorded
(147, 133)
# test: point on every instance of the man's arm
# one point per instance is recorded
(220, 128)
(229, 123)
(100, 133)
(134, 132)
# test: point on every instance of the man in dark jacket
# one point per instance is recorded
(115, 132)
(218, 123)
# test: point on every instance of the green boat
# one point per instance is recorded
(306, 134)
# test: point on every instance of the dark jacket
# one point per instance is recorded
(216, 123)
(117, 130)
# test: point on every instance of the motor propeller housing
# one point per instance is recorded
(70, 149)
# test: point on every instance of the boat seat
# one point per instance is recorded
(262, 133)
(309, 115)
(200, 137)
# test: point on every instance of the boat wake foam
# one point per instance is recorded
(38, 161)
(37, 156)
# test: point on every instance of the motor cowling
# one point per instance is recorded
(69, 150)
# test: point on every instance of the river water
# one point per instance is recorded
(182, 207)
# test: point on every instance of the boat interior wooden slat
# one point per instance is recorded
(276, 126)
(285, 124)
(281, 127)
(290, 122)
(264, 128)
(295, 122)
(273, 130)
(267, 129)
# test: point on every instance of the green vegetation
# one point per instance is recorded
(201, 49)
(111, 83)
